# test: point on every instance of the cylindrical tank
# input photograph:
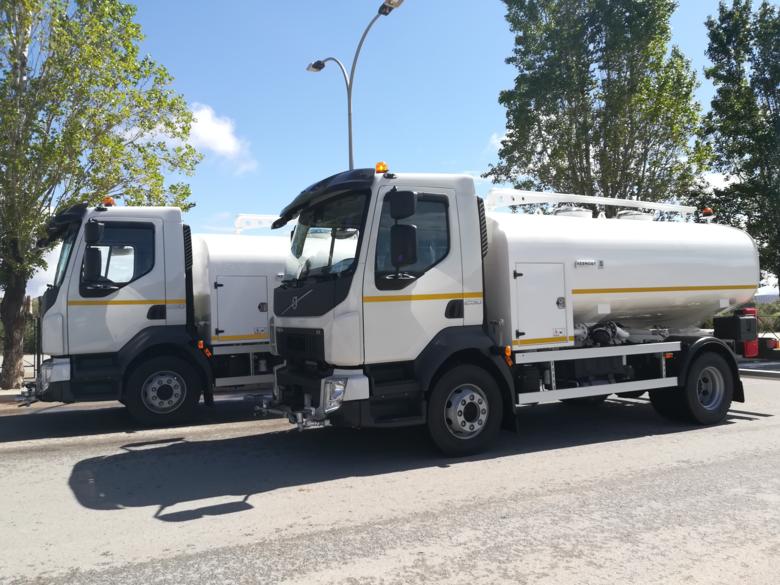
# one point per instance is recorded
(641, 274)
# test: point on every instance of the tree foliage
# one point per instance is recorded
(743, 125)
(82, 115)
(601, 105)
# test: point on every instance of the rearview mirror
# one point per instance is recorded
(403, 245)
(93, 231)
(93, 263)
(402, 204)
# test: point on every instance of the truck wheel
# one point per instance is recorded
(464, 411)
(709, 389)
(161, 391)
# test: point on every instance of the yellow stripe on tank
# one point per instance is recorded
(245, 337)
(542, 340)
(647, 289)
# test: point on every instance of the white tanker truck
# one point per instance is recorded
(143, 312)
(439, 313)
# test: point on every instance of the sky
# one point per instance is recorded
(425, 95)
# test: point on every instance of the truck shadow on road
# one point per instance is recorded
(62, 420)
(171, 473)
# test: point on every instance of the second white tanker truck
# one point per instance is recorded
(425, 309)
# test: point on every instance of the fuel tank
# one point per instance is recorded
(572, 270)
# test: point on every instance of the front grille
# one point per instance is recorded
(300, 344)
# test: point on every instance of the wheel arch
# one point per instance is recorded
(694, 347)
(461, 345)
(157, 341)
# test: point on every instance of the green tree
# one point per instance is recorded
(601, 104)
(82, 115)
(743, 125)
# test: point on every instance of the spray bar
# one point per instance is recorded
(505, 197)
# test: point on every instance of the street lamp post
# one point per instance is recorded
(349, 79)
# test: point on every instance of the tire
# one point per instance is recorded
(465, 431)
(709, 389)
(706, 397)
(589, 401)
(162, 391)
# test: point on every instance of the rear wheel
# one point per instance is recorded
(709, 389)
(706, 397)
(162, 391)
(464, 411)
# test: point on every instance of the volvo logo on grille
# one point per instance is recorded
(295, 300)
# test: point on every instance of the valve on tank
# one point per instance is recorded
(607, 333)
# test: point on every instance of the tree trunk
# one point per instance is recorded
(12, 316)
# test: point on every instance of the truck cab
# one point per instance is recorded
(143, 311)
(366, 322)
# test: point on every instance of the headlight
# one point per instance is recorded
(335, 389)
(45, 375)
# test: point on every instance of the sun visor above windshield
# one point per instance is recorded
(59, 223)
(346, 181)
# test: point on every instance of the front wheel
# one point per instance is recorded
(162, 391)
(465, 411)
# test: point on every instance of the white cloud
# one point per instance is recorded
(217, 134)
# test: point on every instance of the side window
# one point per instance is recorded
(124, 253)
(433, 242)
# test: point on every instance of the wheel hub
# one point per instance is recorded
(163, 392)
(710, 388)
(466, 411)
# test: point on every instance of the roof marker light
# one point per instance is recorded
(108, 201)
(381, 167)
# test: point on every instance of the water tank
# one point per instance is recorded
(641, 274)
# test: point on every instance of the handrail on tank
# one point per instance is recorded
(506, 197)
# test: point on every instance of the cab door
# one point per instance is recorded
(118, 287)
(404, 309)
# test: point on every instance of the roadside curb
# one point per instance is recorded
(760, 374)
(7, 398)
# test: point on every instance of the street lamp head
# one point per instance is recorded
(388, 6)
(316, 66)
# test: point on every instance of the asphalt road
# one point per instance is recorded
(608, 495)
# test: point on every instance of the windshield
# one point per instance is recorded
(67, 248)
(325, 241)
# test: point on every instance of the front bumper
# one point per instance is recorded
(311, 399)
(52, 383)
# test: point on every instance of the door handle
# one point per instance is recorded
(156, 312)
(454, 309)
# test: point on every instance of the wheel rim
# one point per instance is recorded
(163, 392)
(710, 388)
(466, 411)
